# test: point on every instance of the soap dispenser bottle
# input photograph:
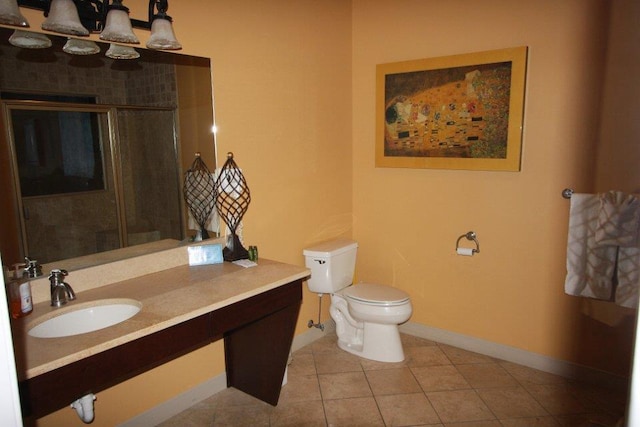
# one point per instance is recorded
(20, 298)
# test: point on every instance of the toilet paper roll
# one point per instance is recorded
(464, 251)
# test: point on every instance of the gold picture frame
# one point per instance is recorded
(453, 112)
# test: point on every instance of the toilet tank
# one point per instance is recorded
(332, 264)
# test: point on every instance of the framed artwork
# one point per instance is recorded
(454, 112)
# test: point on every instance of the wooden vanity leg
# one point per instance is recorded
(257, 353)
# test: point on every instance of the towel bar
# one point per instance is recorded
(567, 193)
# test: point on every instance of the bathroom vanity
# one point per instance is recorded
(254, 310)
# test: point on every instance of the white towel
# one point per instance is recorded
(603, 257)
(590, 267)
(618, 225)
(618, 220)
(628, 277)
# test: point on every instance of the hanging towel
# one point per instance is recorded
(618, 225)
(590, 267)
(628, 277)
(618, 220)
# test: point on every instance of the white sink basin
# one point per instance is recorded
(84, 317)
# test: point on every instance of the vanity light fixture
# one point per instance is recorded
(29, 40)
(81, 47)
(10, 14)
(63, 18)
(110, 18)
(118, 51)
(117, 27)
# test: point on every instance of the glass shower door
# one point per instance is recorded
(65, 182)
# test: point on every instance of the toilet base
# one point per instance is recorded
(380, 343)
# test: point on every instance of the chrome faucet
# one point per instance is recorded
(32, 268)
(61, 292)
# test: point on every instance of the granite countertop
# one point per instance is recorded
(168, 297)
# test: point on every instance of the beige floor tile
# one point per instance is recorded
(330, 362)
(242, 416)
(392, 381)
(526, 375)
(302, 364)
(425, 356)
(413, 341)
(588, 420)
(488, 423)
(298, 414)
(372, 365)
(460, 356)
(530, 422)
(600, 399)
(327, 343)
(344, 385)
(188, 418)
(557, 399)
(484, 375)
(234, 397)
(459, 406)
(200, 414)
(407, 410)
(301, 388)
(356, 412)
(440, 378)
(511, 402)
(473, 391)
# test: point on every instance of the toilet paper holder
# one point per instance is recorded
(471, 236)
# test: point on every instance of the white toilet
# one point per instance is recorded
(366, 315)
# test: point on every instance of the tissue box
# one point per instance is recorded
(205, 254)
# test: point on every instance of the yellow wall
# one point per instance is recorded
(294, 89)
(282, 89)
(618, 154)
(407, 220)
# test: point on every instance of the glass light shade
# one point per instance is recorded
(117, 51)
(118, 28)
(10, 14)
(80, 47)
(29, 40)
(63, 18)
(162, 35)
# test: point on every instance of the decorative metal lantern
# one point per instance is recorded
(232, 201)
(199, 193)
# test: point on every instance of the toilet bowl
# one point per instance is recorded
(377, 318)
(366, 315)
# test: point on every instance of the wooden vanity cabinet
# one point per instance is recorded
(257, 333)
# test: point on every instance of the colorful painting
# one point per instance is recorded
(459, 112)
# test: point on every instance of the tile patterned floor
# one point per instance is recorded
(436, 385)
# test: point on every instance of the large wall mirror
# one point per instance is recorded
(93, 150)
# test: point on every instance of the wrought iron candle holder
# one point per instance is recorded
(199, 194)
(232, 201)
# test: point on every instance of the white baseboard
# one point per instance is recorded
(179, 403)
(312, 334)
(516, 355)
(184, 401)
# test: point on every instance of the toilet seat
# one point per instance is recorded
(378, 295)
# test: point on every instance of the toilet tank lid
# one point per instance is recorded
(330, 248)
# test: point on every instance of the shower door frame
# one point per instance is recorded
(113, 145)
